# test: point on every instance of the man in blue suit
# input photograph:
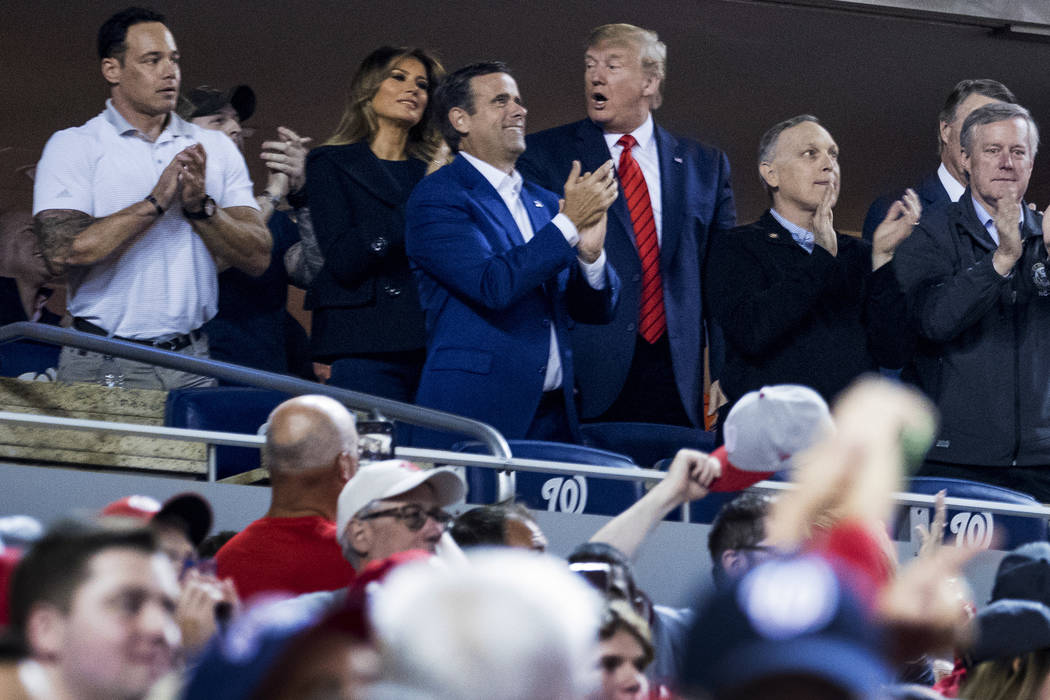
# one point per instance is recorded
(948, 182)
(502, 265)
(626, 370)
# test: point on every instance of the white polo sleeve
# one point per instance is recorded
(236, 188)
(65, 173)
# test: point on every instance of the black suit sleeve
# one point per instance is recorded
(891, 333)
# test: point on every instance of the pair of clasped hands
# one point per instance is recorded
(588, 197)
(902, 216)
(1008, 215)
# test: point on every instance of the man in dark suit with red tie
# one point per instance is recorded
(647, 365)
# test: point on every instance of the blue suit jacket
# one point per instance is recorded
(697, 200)
(931, 194)
(490, 298)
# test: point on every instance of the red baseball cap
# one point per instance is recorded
(191, 508)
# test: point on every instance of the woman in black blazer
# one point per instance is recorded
(367, 322)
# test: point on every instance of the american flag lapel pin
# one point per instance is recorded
(677, 159)
(537, 203)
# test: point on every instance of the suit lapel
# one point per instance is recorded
(361, 165)
(671, 199)
(593, 152)
(932, 191)
(489, 199)
(539, 214)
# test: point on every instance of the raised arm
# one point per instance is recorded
(690, 474)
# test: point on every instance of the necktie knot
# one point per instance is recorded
(627, 142)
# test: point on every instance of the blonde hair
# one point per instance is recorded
(651, 51)
(359, 122)
(998, 680)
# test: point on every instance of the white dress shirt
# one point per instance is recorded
(953, 187)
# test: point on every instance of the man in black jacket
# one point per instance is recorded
(794, 298)
(977, 288)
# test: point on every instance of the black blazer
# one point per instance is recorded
(364, 299)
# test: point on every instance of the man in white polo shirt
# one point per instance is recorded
(140, 208)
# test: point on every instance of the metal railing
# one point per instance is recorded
(463, 459)
(501, 459)
(408, 413)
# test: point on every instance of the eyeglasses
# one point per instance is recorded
(413, 516)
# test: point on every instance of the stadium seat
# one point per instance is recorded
(977, 528)
(646, 443)
(20, 357)
(227, 409)
(565, 493)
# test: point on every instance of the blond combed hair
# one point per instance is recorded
(651, 51)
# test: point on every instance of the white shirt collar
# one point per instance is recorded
(501, 181)
(176, 126)
(643, 135)
(952, 186)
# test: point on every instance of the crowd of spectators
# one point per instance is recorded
(809, 600)
(535, 283)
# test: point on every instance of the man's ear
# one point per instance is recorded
(966, 161)
(734, 563)
(768, 173)
(651, 86)
(459, 118)
(111, 69)
(347, 464)
(45, 630)
(944, 128)
(359, 536)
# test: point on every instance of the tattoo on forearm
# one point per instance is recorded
(55, 231)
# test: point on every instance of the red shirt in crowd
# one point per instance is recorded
(286, 555)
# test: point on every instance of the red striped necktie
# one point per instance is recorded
(651, 320)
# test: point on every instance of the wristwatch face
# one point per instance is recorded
(208, 207)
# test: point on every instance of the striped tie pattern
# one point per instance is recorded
(651, 320)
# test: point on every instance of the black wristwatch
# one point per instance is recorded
(207, 210)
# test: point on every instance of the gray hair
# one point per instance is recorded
(767, 145)
(651, 51)
(997, 112)
(513, 625)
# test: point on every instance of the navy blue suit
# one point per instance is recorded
(489, 300)
(697, 200)
(931, 194)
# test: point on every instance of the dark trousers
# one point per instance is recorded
(650, 394)
(551, 422)
(392, 375)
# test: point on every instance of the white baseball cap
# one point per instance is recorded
(765, 429)
(393, 477)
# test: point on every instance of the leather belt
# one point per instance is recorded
(172, 344)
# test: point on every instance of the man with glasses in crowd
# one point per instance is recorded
(394, 506)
